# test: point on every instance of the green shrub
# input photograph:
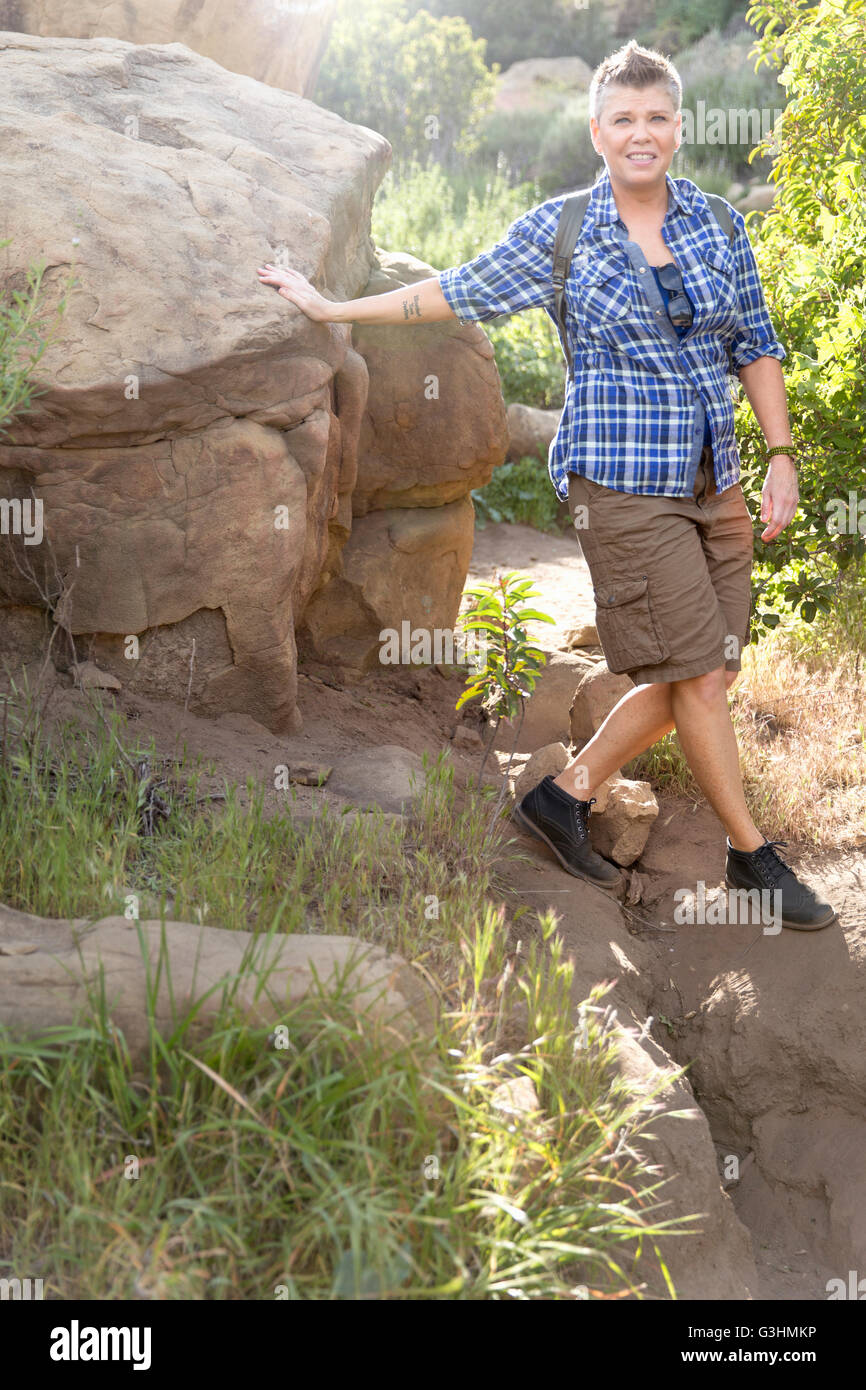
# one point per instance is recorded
(811, 248)
(445, 218)
(672, 24)
(529, 358)
(549, 145)
(421, 81)
(515, 30)
(721, 73)
(521, 492)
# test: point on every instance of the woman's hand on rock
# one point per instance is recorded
(294, 286)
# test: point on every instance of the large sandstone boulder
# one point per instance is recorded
(596, 692)
(773, 1027)
(407, 565)
(280, 44)
(414, 452)
(530, 431)
(714, 1260)
(433, 429)
(50, 968)
(195, 445)
(186, 446)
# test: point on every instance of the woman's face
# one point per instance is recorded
(637, 133)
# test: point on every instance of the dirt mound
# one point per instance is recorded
(774, 1029)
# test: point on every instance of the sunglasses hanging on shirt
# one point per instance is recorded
(679, 304)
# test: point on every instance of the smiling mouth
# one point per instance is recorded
(641, 158)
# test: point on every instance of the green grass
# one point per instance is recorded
(349, 1163)
(74, 841)
(334, 1168)
(446, 218)
(664, 766)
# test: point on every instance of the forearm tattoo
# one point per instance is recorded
(412, 308)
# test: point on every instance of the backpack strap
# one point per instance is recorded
(571, 217)
(721, 212)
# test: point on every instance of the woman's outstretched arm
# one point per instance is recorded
(423, 302)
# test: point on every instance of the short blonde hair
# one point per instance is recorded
(634, 66)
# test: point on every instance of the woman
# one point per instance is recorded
(645, 453)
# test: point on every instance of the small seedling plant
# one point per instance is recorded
(498, 613)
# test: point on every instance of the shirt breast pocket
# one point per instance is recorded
(598, 296)
(718, 291)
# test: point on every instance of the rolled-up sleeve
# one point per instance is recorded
(755, 336)
(515, 274)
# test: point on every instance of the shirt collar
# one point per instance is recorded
(603, 209)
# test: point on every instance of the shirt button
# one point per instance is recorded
(642, 269)
(658, 313)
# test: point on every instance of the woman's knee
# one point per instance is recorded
(707, 687)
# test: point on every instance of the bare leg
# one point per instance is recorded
(639, 720)
(645, 715)
(704, 728)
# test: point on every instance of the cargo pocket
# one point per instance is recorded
(626, 626)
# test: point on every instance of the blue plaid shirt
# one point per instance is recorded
(636, 405)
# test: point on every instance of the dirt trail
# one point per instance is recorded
(555, 564)
(771, 1026)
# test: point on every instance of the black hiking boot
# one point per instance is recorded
(800, 907)
(560, 821)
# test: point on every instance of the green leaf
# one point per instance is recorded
(468, 694)
(478, 624)
(532, 614)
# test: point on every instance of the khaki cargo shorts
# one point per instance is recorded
(671, 575)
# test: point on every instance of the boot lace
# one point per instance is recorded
(582, 812)
(771, 867)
